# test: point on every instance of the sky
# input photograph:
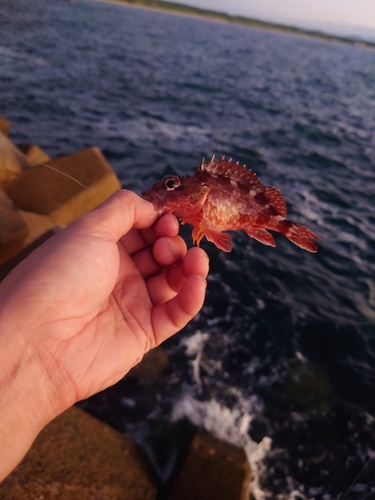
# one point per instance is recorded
(356, 17)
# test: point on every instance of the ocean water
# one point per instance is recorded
(281, 358)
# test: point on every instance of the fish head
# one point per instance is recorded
(180, 195)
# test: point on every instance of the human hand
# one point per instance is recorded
(84, 308)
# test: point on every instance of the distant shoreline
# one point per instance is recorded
(195, 12)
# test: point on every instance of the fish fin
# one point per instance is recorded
(276, 200)
(233, 171)
(298, 234)
(198, 233)
(221, 240)
(261, 235)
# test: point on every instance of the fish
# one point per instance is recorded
(225, 196)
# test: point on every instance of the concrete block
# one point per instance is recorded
(4, 126)
(213, 470)
(12, 225)
(34, 154)
(11, 161)
(73, 185)
(8, 262)
(36, 226)
(77, 457)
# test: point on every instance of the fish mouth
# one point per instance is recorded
(158, 207)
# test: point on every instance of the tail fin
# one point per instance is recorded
(298, 234)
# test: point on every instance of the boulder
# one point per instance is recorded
(73, 185)
(77, 457)
(213, 470)
(34, 154)
(4, 126)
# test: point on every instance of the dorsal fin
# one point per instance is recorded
(247, 182)
(228, 169)
(276, 200)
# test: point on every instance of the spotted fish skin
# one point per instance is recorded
(223, 196)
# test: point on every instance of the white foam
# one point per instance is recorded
(195, 343)
(194, 347)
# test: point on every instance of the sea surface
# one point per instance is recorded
(281, 360)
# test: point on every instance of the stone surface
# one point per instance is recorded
(213, 470)
(9, 261)
(12, 225)
(11, 161)
(151, 367)
(34, 154)
(76, 457)
(73, 185)
(36, 225)
(4, 126)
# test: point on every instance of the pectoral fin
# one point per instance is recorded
(198, 233)
(221, 240)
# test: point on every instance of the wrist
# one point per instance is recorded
(28, 398)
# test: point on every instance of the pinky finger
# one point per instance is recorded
(171, 316)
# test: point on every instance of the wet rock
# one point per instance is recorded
(308, 385)
(76, 457)
(74, 185)
(213, 470)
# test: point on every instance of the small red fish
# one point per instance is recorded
(224, 196)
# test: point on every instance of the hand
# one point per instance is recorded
(84, 308)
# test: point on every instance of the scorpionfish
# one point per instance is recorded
(223, 196)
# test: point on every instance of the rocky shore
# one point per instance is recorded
(76, 456)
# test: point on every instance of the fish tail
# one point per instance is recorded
(298, 234)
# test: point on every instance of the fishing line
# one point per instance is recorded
(356, 478)
(18, 151)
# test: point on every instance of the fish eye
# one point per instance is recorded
(172, 183)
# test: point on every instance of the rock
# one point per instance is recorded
(73, 185)
(213, 470)
(308, 385)
(11, 161)
(9, 260)
(36, 225)
(34, 155)
(4, 126)
(12, 226)
(152, 365)
(77, 457)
